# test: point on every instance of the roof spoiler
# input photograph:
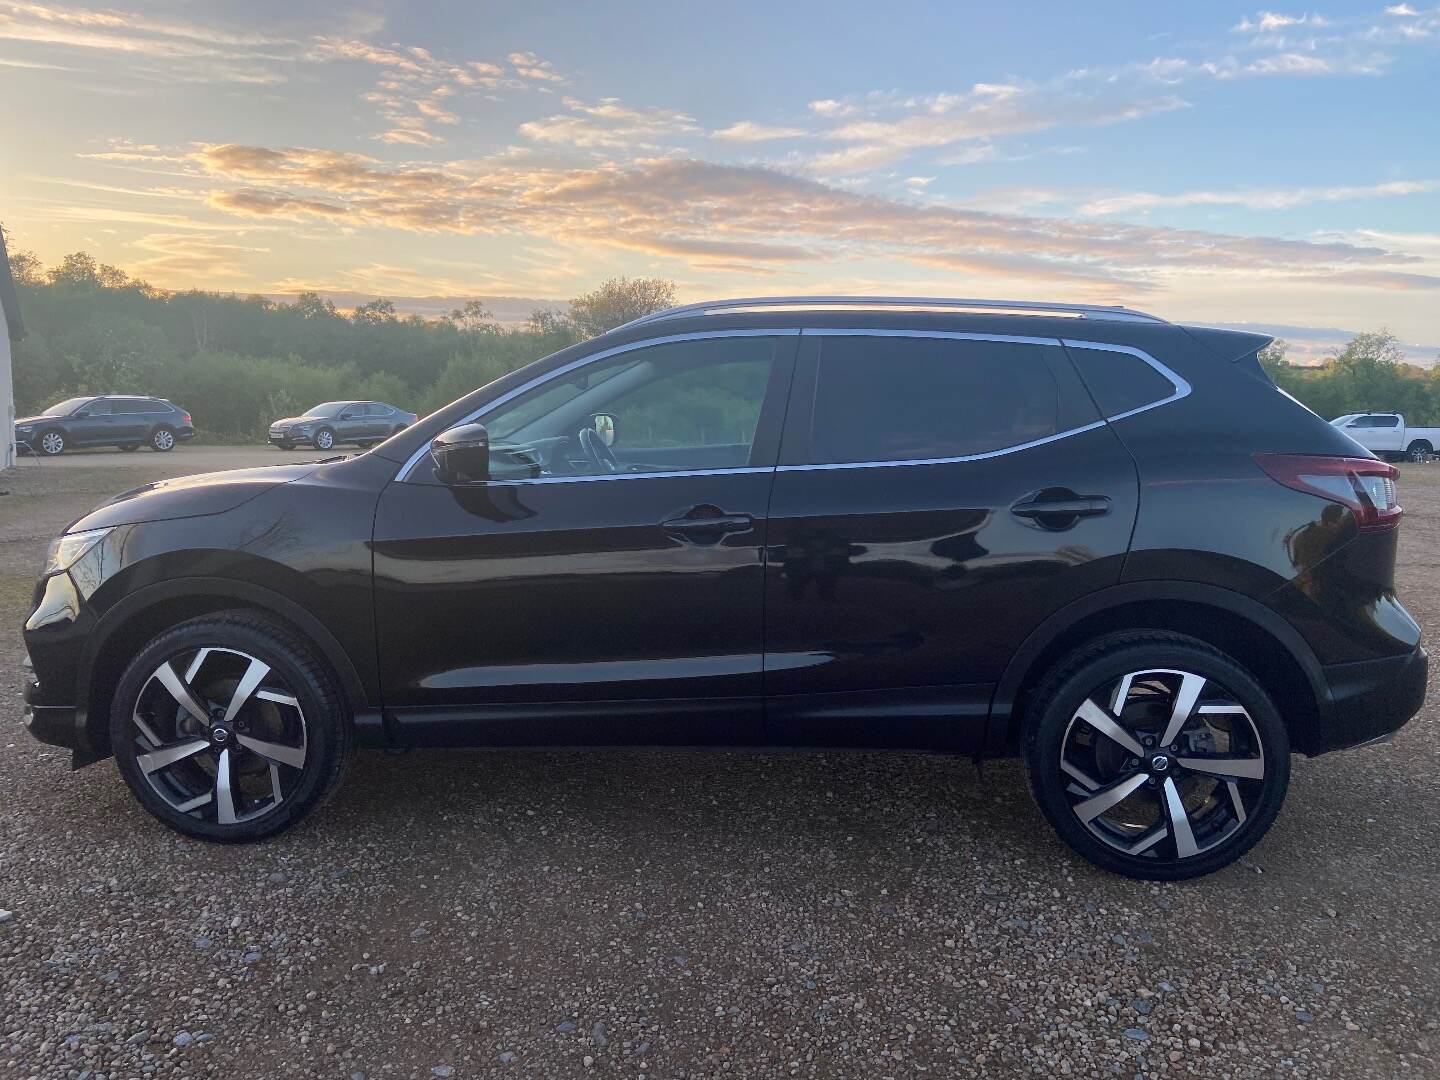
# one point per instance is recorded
(1232, 345)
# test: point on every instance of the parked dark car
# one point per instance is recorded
(361, 422)
(122, 420)
(1083, 535)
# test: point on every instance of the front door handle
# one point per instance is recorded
(1060, 509)
(707, 524)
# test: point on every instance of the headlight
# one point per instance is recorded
(65, 551)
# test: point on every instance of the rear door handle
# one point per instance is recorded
(1060, 511)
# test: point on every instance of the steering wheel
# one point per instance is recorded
(596, 450)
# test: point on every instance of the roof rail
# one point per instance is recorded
(909, 303)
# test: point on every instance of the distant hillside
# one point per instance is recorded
(509, 311)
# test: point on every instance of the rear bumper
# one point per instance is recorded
(1369, 700)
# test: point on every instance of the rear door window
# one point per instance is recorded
(900, 398)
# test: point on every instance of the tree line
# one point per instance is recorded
(1370, 374)
(238, 362)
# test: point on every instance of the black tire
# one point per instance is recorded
(324, 439)
(51, 442)
(162, 439)
(129, 447)
(1419, 450)
(1236, 812)
(326, 732)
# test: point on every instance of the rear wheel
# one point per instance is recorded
(162, 439)
(1156, 756)
(229, 727)
(1419, 450)
(51, 443)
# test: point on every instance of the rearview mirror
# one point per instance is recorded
(462, 454)
(604, 425)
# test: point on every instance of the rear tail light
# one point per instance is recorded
(186, 418)
(1364, 485)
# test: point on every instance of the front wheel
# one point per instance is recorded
(162, 439)
(52, 443)
(324, 439)
(229, 727)
(1156, 756)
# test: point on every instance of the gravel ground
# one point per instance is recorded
(657, 915)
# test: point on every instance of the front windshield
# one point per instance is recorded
(330, 408)
(66, 407)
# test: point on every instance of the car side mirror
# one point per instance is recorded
(462, 454)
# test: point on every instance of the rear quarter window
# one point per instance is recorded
(1120, 382)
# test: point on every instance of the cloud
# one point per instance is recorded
(748, 131)
(155, 49)
(198, 257)
(713, 216)
(608, 124)
(417, 89)
(529, 66)
(884, 129)
(1403, 10)
(257, 202)
(1255, 199)
(1270, 21)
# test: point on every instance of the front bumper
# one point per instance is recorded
(1369, 700)
(58, 725)
(282, 438)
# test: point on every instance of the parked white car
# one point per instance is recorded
(1386, 434)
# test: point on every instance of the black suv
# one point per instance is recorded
(1083, 535)
(122, 420)
(364, 423)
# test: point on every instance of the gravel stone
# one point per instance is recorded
(807, 916)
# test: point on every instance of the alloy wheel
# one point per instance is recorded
(324, 440)
(163, 440)
(219, 735)
(1162, 763)
(52, 442)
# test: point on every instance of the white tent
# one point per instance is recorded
(10, 330)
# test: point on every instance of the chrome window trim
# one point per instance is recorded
(944, 460)
(403, 476)
(1181, 389)
(524, 481)
(958, 335)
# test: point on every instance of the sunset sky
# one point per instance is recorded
(1212, 162)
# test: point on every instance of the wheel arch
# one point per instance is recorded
(1238, 625)
(149, 610)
